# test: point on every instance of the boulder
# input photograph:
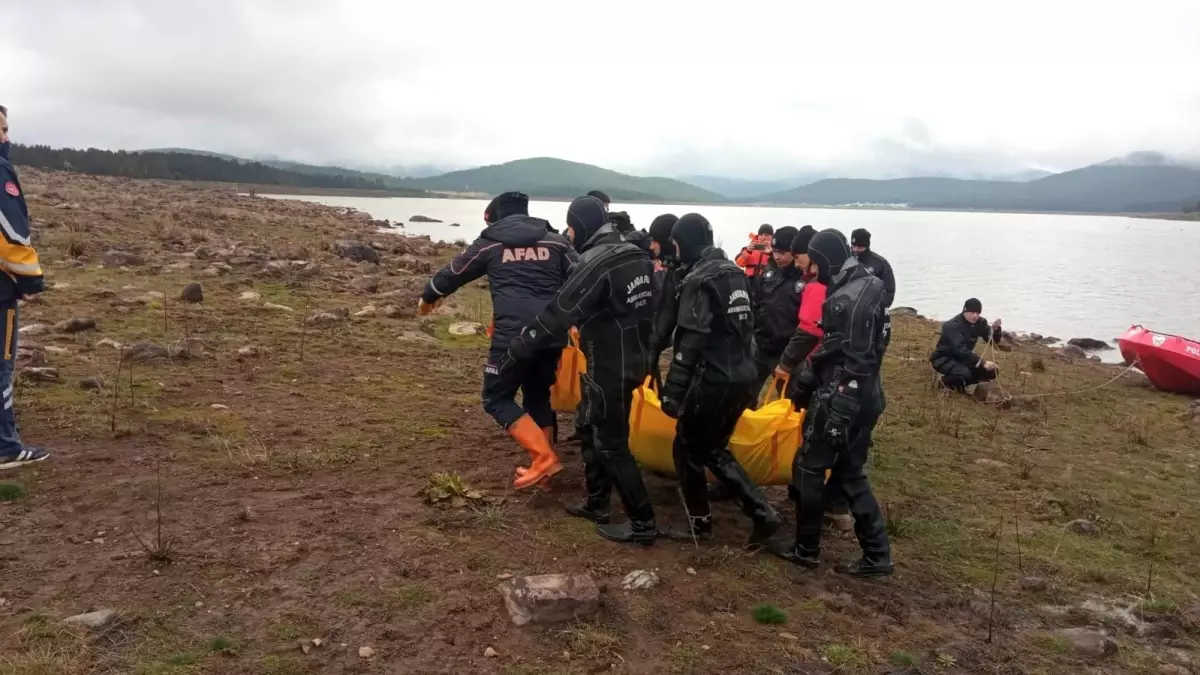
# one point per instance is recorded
(97, 620)
(366, 312)
(639, 580)
(278, 307)
(414, 336)
(1049, 340)
(1082, 526)
(1089, 344)
(324, 319)
(398, 312)
(423, 219)
(75, 325)
(466, 328)
(414, 264)
(1088, 642)
(122, 259)
(250, 296)
(189, 348)
(202, 253)
(1072, 352)
(92, 383)
(356, 251)
(550, 598)
(39, 375)
(989, 392)
(365, 284)
(193, 293)
(33, 329)
(144, 352)
(902, 311)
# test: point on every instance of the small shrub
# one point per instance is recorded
(11, 492)
(220, 644)
(903, 659)
(76, 245)
(843, 656)
(769, 615)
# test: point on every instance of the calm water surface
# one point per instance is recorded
(1061, 275)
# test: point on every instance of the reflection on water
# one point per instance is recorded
(1061, 275)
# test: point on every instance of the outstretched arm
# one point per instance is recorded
(465, 268)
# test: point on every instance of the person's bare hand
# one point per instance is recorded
(988, 365)
(781, 374)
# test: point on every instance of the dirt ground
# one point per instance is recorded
(258, 485)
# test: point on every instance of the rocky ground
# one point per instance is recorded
(247, 420)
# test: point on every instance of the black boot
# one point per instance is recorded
(599, 488)
(718, 493)
(867, 568)
(697, 529)
(626, 477)
(789, 551)
(753, 500)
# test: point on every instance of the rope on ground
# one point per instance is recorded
(990, 355)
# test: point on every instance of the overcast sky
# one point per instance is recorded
(751, 88)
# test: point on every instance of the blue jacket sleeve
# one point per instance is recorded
(18, 258)
(465, 268)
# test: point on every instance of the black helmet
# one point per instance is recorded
(829, 250)
(693, 233)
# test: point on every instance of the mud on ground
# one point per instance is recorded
(272, 471)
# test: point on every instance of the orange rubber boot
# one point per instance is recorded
(545, 463)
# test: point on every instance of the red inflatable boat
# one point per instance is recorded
(1171, 362)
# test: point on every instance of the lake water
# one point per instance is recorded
(1061, 275)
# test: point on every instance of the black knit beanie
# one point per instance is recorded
(800, 241)
(505, 205)
(860, 237)
(973, 305)
(766, 229)
(783, 238)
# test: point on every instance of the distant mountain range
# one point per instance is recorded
(1142, 182)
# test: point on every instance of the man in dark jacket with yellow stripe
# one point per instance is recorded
(21, 278)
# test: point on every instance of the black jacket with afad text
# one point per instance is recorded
(714, 331)
(956, 345)
(526, 264)
(609, 298)
(880, 267)
(778, 308)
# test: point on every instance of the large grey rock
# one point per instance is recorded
(192, 293)
(324, 319)
(33, 329)
(550, 598)
(902, 311)
(122, 259)
(355, 250)
(1082, 526)
(423, 219)
(75, 325)
(1088, 642)
(1073, 352)
(1089, 344)
(144, 352)
(97, 620)
(989, 392)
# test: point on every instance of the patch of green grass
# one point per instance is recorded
(282, 630)
(1052, 643)
(843, 657)
(903, 659)
(1158, 605)
(221, 643)
(769, 615)
(11, 492)
(275, 664)
(812, 605)
(590, 641)
(684, 658)
(410, 596)
(571, 533)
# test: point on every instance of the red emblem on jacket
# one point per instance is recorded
(12, 189)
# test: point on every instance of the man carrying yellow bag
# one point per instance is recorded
(710, 380)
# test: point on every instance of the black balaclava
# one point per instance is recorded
(602, 197)
(861, 237)
(800, 241)
(784, 237)
(829, 251)
(585, 216)
(693, 233)
(505, 205)
(660, 231)
(973, 305)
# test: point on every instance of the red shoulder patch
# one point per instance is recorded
(12, 189)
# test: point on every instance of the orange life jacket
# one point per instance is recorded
(755, 257)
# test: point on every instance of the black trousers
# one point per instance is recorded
(702, 443)
(607, 461)
(503, 378)
(848, 479)
(959, 376)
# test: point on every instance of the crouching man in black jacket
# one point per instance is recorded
(608, 296)
(954, 358)
(711, 378)
(841, 388)
(525, 264)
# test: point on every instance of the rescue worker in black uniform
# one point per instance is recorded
(709, 383)
(526, 264)
(841, 389)
(860, 245)
(955, 358)
(609, 298)
(777, 311)
(666, 288)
